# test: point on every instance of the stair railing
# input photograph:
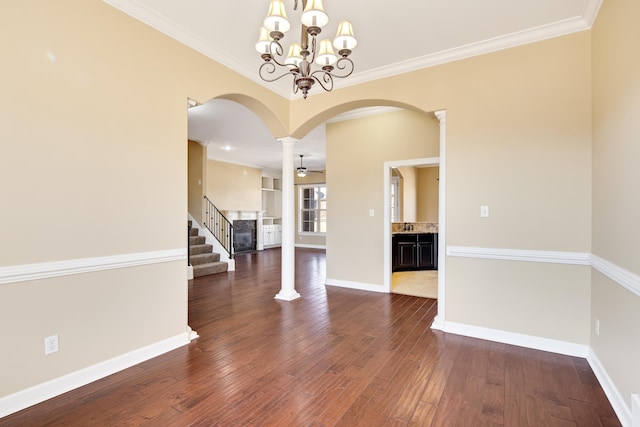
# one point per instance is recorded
(219, 226)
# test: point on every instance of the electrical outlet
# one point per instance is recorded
(51, 344)
(597, 327)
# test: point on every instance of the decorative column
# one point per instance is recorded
(288, 291)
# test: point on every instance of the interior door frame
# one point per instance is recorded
(440, 161)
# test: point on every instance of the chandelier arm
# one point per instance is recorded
(325, 80)
(344, 65)
(276, 51)
(269, 68)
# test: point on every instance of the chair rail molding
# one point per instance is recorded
(47, 270)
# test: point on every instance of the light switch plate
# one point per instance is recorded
(484, 211)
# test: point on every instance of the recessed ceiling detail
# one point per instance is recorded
(424, 33)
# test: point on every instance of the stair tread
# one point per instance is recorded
(209, 268)
(204, 258)
(196, 240)
(201, 249)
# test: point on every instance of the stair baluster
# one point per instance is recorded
(219, 226)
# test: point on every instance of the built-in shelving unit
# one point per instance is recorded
(271, 211)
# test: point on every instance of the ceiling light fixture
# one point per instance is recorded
(298, 62)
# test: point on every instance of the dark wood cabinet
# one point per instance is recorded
(427, 251)
(415, 251)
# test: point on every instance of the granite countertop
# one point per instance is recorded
(414, 227)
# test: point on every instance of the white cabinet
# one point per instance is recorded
(271, 235)
(271, 211)
(271, 197)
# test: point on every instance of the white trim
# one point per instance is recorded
(302, 245)
(440, 318)
(23, 399)
(618, 403)
(355, 285)
(635, 410)
(554, 257)
(522, 340)
(47, 270)
(591, 10)
(507, 41)
(360, 113)
(624, 278)
(387, 240)
(300, 189)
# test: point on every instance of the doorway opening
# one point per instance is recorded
(441, 240)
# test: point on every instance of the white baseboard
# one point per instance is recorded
(521, 340)
(189, 272)
(302, 245)
(635, 411)
(438, 323)
(355, 285)
(41, 392)
(615, 398)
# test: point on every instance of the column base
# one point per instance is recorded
(287, 295)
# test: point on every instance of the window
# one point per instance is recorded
(313, 209)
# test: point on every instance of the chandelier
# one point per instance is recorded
(298, 63)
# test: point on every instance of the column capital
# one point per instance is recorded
(441, 115)
(288, 141)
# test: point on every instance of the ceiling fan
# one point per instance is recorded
(303, 171)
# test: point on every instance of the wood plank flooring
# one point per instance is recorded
(335, 357)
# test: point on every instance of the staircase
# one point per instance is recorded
(203, 260)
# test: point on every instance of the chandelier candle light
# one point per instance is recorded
(297, 62)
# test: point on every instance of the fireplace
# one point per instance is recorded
(244, 235)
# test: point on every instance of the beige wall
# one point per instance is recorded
(197, 180)
(93, 163)
(94, 139)
(409, 193)
(428, 192)
(354, 239)
(510, 115)
(616, 180)
(234, 187)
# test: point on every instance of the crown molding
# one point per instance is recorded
(188, 38)
(508, 41)
(183, 35)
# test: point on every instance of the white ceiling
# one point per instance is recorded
(393, 37)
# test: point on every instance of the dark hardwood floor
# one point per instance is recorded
(335, 357)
